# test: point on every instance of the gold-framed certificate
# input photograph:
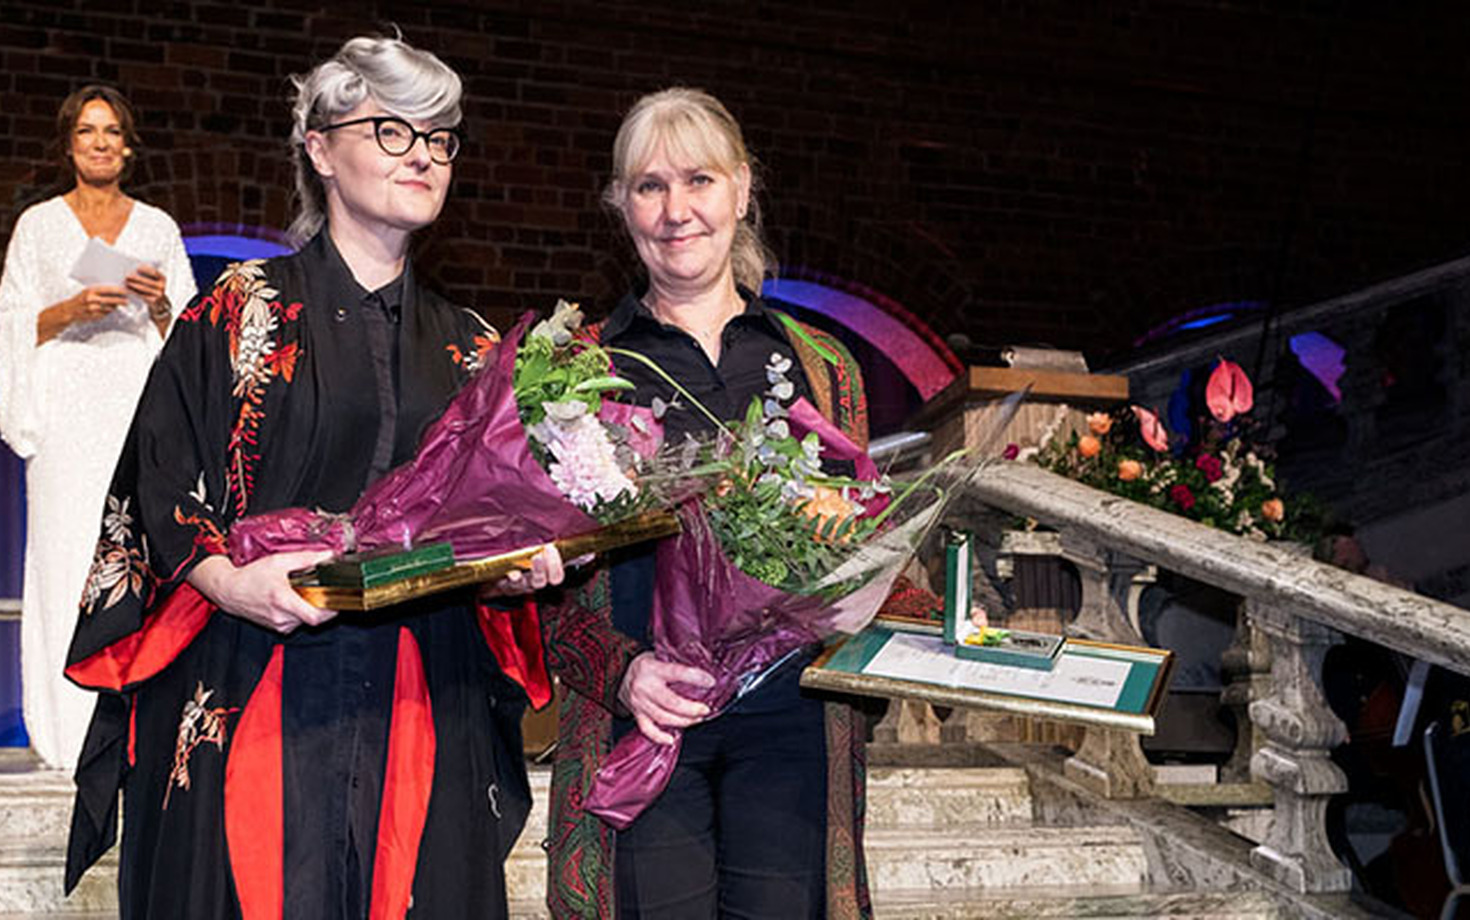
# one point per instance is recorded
(1091, 683)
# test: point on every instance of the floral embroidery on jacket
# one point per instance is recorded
(197, 725)
(119, 566)
(207, 533)
(252, 314)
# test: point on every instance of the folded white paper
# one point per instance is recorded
(101, 263)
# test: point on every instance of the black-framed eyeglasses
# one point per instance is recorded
(396, 137)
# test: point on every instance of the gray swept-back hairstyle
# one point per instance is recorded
(695, 130)
(406, 81)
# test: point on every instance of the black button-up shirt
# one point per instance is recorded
(726, 389)
(380, 315)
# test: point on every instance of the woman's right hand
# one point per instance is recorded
(85, 306)
(261, 591)
(646, 693)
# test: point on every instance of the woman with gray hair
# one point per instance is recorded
(278, 760)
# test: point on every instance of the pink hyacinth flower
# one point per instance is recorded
(1153, 431)
(1229, 391)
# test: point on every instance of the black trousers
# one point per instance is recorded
(741, 830)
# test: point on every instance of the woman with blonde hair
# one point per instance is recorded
(277, 760)
(73, 359)
(763, 814)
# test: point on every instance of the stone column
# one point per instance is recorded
(1300, 732)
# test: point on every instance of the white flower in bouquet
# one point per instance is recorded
(583, 460)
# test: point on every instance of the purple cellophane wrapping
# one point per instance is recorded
(474, 484)
(708, 614)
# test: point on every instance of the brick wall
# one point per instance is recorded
(1063, 172)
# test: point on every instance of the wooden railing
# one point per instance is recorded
(1295, 610)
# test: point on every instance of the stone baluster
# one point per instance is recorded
(1246, 669)
(1111, 585)
(1110, 762)
(1300, 732)
(908, 722)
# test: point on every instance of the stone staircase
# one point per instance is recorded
(943, 844)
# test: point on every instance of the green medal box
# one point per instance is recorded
(372, 570)
(969, 631)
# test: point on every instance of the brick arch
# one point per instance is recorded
(885, 326)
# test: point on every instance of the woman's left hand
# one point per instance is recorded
(546, 569)
(148, 283)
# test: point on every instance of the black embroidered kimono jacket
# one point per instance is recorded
(353, 770)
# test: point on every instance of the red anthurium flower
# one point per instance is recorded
(1229, 391)
(1152, 429)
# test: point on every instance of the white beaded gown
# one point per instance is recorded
(65, 407)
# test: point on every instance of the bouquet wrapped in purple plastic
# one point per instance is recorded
(774, 557)
(527, 452)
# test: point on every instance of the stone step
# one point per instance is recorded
(35, 805)
(31, 876)
(979, 857)
(1096, 903)
(947, 795)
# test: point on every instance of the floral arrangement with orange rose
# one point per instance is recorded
(1220, 478)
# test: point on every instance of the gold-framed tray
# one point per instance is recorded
(1092, 683)
(649, 525)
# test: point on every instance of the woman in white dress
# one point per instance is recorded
(73, 360)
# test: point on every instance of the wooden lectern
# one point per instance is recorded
(1062, 392)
